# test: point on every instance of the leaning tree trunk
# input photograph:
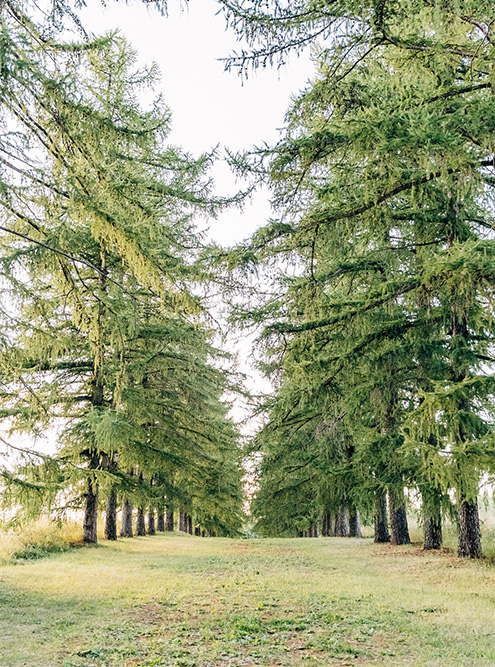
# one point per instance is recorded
(111, 516)
(399, 531)
(151, 522)
(140, 523)
(469, 529)
(381, 523)
(354, 523)
(160, 524)
(169, 524)
(91, 505)
(432, 519)
(342, 522)
(126, 527)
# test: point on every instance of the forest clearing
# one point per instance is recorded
(182, 601)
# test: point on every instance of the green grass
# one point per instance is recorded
(181, 601)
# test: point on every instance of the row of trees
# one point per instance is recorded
(380, 335)
(105, 342)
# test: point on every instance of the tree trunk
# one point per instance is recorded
(326, 526)
(182, 525)
(399, 532)
(469, 530)
(151, 522)
(342, 522)
(354, 523)
(432, 520)
(197, 531)
(381, 524)
(91, 506)
(111, 516)
(140, 524)
(169, 525)
(189, 524)
(160, 525)
(126, 527)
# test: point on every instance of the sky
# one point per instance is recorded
(209, 106)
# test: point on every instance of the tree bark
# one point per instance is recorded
(354, 523)
(399, 531)
(160, 525)
(111, 516)
(182, 521)
(326, 526)
(169, 526)
(140, 523)
(90, 522)
(469, 530)
(342, 522)
(432, 520)
(381, 523)
(151, 522)
(197, 531)
(126, 527)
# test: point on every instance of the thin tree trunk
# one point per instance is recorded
(110, 464)
(326, 525)
(469, 530)
(90, 522)
(354, 523)
(342, 522)
(432, 520)
(381, 523)
(160, 524)
(151, 521)
(169, 525)
(182, 521)
(111, 516)
(189, 524)
(399, 532)
(140, 524)
(126, 527)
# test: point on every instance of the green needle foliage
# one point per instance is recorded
(384, 182)
(106, 337)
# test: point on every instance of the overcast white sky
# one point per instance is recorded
(209, 106)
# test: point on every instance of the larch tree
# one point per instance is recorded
(99, 249)
(390, 151)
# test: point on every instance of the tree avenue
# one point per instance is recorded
(382, 338)
(104, 337)
(378, 334)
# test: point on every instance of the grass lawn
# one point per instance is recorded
(185, 601)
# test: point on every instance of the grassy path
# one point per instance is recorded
(181, 601)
